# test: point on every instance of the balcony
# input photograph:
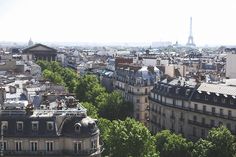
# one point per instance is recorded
(200, 124)
(181, 119)
(172, 117)
(194, 110)
(88, 152)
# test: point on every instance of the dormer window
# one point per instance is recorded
(4, 125)
(50, 126)
(223, 100)
(35, 125)
(177, 90)
(231, 101)
(77, 127)
(168, 89)
(215, 99)
(187, 92)
(19, 126)
(197, 96)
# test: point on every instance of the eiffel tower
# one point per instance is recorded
(190, 38)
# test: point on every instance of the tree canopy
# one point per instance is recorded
(170, 144)
(127, 138)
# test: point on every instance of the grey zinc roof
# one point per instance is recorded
(218, 88)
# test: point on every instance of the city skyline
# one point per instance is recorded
(120, 21)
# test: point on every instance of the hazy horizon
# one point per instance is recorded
(118, 21)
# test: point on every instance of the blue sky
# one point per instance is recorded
(118, 21)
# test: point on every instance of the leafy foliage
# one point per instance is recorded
(127, 138)
(169, 144)
(114, 107)
(223, 142)
(59, 75)
(92, 111)
(203, 148)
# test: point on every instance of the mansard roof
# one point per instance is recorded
(218, 89)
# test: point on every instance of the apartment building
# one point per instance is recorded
(135, 82)
(58, 128)
(192, 109)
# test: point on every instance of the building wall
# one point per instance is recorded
(230, 65)
(187, 118)
(138, 95)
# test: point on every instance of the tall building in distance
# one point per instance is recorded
(190, 38)
(30, 43)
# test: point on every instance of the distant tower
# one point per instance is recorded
(190, 38)
(30, 43)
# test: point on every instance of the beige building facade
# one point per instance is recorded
(135, 83)
(192, 110)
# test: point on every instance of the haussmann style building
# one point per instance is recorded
(135, 83)
(59, 128)
(192, 109)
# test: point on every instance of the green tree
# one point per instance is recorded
(92, 111)
(169, 144)
(203, 148)
(88, 88)
(130, 138)
(223, 142)
(43, 64)
(54, 72)
(104, 126)
(115, 107)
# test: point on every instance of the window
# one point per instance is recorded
(137, 116)
(172, 127)
(206, 97)
(177, 90)
(212, 123)
(220, 123)
(231, 101)
(194, 118)
(77, 127)
(137, 101)
(213, 110)
(194, 131)
(18, 145)
(204, 108)
(172, 115)
(146, 99)
(229, 113)
(228, 125)
(4, 125)
(50, 126)
(49, 146)
(35, 125)
(221, 112)
(182, 116)
(187, 92)
(203, 133)
(203, 120)
(223, 100)
(146, 90)
(215, 99)
(181, 129)
(19, 126)
(196, 107)
(77, 146)
(94, 144)
(3, 145)
(34, 146)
